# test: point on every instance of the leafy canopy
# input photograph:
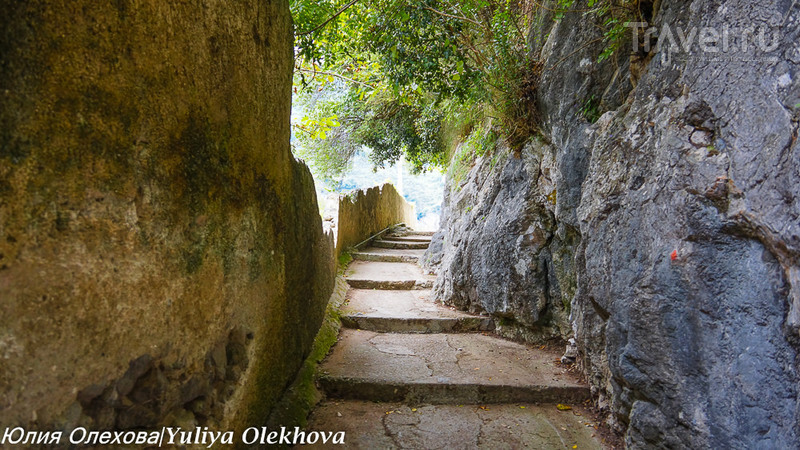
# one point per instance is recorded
(394, 75)
(400, 76)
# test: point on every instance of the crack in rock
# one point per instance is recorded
(389, 347)
(388, 432)
(479, 436)
(459, 354)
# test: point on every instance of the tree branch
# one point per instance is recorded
(333, 74)
(327, 21)
(455, 17)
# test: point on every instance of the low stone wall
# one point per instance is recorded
(365, 213)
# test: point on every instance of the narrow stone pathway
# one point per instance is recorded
(410, 373)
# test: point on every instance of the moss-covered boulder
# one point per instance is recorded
(161, 252)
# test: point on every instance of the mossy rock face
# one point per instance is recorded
(149, 205)
(303, 395)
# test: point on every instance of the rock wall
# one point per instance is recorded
(366, 212)
(498, 250)
(162, 259)
(675, 215)
(509, 230)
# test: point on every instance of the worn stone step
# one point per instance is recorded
(390, 284)
(421, 233)
(406, 312)
(410, 238)
(445, 369)
(388, 255)
(371, 425)
(386, 275)
(385, 243)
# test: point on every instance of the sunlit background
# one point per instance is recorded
(424, 191)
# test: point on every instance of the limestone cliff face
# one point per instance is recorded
(498, 250)
(161, 252)
(509, 227)
(679, 207)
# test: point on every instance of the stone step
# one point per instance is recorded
(421, 233)
(387, 275)
(388, 255)
(370, 425)
(384, 243)
(445, 369)
(410, 238)
(390, 284)
(406, 312)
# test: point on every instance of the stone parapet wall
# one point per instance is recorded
(367, 212)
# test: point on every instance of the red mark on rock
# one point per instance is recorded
(674, 255)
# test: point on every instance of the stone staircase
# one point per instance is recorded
(410, 373)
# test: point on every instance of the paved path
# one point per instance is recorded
(410, 373)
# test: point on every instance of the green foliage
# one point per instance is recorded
(563, 7)
(460, 165)
(342, 121)
(613, 37)
(344, 259)
(392, 128)
(611, 14)
(321, 139)
(408, 73)
(412, 76)
(482, 140)
(419, 50)
(591, 109)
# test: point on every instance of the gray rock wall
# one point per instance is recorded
(700, 160)
(498, 250)
(509, 228)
